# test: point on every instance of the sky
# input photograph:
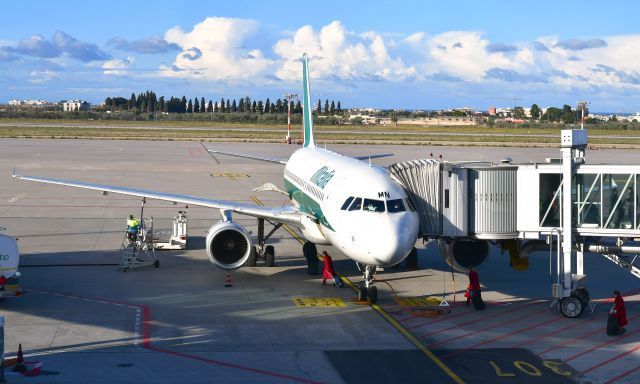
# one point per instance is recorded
(383, 54)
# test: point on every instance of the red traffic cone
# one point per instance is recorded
(228, 283)
(20, 367)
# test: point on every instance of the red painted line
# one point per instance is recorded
(612, 359)
(613, 340)
(230, 365)
(572, 325)
(484, 329)
(492, 315)
(459, 315)
(623, 374)
(146, 338)
(569, 342)
(146, 327)
(499, 337)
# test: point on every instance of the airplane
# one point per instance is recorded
(337, 200)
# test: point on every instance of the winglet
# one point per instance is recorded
(13, 173)
(309, 140)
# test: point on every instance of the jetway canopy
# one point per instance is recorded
(461, 200)
(488, 201)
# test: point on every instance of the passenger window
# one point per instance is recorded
(373, 205)
(395, 206)
(346, 203)
(356, 205)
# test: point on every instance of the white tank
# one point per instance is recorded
(9, 256)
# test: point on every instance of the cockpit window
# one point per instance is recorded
(346, 203)
(395, 206)
(373, 205)
(356, 205)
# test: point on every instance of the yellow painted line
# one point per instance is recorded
(417, 301)
(230, 175)
(319, 302)
(394, 323)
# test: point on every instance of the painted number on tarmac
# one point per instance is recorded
(417, 301)
(319, 302)
(524, 368)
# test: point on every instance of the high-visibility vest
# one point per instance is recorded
(133, 223)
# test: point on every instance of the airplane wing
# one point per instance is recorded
(284, 161)
(285, 214)
(373, 156)
(248, 156)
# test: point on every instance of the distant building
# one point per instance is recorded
(29, 103)
(492, 111)
(75, 105)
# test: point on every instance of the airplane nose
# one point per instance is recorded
(396, 241)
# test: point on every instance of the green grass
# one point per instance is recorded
(69, 129)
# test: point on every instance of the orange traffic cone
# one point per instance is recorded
(228, 283)
(20, 367)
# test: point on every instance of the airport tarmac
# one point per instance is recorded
(88, 322)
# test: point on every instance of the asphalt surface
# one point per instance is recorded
(88, 322)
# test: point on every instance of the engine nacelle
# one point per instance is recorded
(464, 254)
(228, 245)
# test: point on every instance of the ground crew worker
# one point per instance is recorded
(133, 226)
(473, 290)
(620, 311)
(329, 272)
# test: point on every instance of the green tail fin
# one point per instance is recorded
(309, 140)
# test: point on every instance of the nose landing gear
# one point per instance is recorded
(368, 291)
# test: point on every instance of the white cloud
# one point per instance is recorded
(117, 66)
(214, 50)
(335, 52)
(38, 77)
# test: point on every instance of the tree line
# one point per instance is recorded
(148, 102)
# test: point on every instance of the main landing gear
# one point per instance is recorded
(310, 252)
(260, 250)
(367, 291)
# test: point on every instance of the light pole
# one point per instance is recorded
(582, 105)
(289, 96)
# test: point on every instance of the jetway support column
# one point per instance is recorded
(567, 230)
(571, 295)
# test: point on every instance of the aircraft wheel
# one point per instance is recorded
(362, 294)
(571, 307)
(156, 264)
(373, 294)
(251, 260)
(310, 253)
(269, 256)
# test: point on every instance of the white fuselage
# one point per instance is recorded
(357, 207)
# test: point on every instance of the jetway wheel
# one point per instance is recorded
(156, 264)
(571, 306)
(269, 256)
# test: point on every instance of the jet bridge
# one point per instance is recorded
(466, 206)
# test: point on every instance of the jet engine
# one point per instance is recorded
(228, 245)
(464, 254)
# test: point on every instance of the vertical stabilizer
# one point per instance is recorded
(309, 139)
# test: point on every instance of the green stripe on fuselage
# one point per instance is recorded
(306, 203)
